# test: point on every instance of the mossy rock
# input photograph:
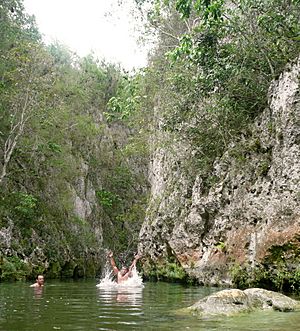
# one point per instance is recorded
(90, 269)
(226, 302)
(265, 299)
(234, 301)
(169, 271)
(68, 269)
(54, 270)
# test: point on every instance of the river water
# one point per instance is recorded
(81, 305)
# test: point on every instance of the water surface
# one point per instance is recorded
(80, 305)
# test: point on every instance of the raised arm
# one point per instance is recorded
(112, 262)
(134, 262)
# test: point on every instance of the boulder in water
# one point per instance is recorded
(268, 299)
(229, 302)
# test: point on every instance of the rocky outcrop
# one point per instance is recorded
(268, 299)
(59, 230)
(230, 302)
(246, 222)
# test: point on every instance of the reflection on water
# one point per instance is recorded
(38, 292)
(121, 303)
(133, 296)
(84, 306)
(121, 308)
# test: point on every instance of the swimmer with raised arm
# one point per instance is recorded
(124, 273)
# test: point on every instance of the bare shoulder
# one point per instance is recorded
(36, 285)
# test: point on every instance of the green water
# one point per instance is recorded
(80, 305)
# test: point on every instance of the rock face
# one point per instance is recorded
(66, 234)
(249, 217)
(269, 299)
(223, 303)
(229, 302)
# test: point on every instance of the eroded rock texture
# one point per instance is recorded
(248, 218)
(230, 302)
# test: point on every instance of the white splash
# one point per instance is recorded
(108, 283)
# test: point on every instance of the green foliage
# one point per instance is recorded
(240, 276)
(221, 246)
(54, 140)
(279, 271)
(13, 268)
(53, 147)
(169, 271)
(26, 205)
(215, 79)
(209, 9)
(15, 25)
(21, 207)
(127, 100)
(264, 168)
(107, 199)
(205, 84)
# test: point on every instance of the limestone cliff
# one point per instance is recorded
(246, 223)
(61, 223)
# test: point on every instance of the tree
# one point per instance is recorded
(29, 78)
(214, 81)
(23, 73)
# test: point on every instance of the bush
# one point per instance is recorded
(13, 268)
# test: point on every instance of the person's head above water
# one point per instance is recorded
(39, 282)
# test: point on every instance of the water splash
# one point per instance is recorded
(108, 283)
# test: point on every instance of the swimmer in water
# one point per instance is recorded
(39, 281)
(124, 273)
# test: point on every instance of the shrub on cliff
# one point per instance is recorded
(214, 63)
